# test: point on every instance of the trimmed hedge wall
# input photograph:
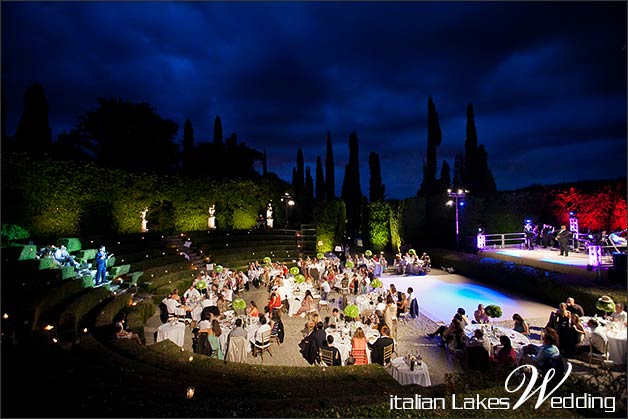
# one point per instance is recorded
(138, 315)
(13, 253)
(331, 217)
(116, 305)
(72, 244)
(53, 298)
(76, 311)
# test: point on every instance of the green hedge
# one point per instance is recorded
(331, 217)
(164, 290)
(116, 305)
(168, 279)
(52, 298)
(138, 315)
(14, 253)
(68, 272)
(87, 254)
(47, 263)
(75, 312)
(117, 271)
(378, 225)
(72, 244)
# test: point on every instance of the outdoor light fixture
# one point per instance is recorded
(458, 200)
(189, 393)
(49, 327)
(5, 316)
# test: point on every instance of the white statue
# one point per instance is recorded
(144, 221)
(211, 221)
(269, 216)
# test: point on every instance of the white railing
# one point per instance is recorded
(504, 240)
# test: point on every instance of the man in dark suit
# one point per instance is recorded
(563, 240)
(377, 347)
(336, 353)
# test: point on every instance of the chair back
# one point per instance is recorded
(265, 340)
(327, 356)
(237, 349)
(388, 351)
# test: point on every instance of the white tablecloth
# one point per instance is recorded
(342, 340)
(173, 331)
(518, 340)
(400, 371)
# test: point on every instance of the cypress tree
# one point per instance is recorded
(351, 190)
(218, 131)
(33, 132)
(486, 182)
(458, 171)
(320, 180)
(330, 180)
(434, 138)
(444, 182)
(470, 174)
(300, 172)
(376, 188)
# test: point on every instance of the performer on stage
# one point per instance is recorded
(528, 230)
(563, 236)
(546, 235)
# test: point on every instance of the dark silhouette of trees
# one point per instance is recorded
(33, 132)
(434, 138)
(217, 131)
(188, 146)
(330, 180)
(308, 196)
(127, 135)
(444, 182)
(298, 186)
(376, 188)
(320, 180)
(458, 170)
(477, 176)
(351, 190)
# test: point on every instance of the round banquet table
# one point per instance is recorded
(400, 371)
(342, 340)
(518, 340)
(173, 331)
(617, 339)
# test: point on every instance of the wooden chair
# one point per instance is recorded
(264, 346)
(360, 356)
(602, 357)
(327, 357)
(275, 338)
(388, 351)
(323, 304)
(237, 349)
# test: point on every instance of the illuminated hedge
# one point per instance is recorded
(378, 225)
(330, 218)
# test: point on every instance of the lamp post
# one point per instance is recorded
(289, 202)
(458, 200)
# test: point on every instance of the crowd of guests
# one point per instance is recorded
(412, 264)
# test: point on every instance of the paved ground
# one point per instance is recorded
(410, 339)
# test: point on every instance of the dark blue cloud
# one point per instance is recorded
(545, 79)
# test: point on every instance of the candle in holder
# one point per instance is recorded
(189, 393)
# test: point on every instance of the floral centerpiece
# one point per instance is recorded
(299, 278)
(201, 285)
(493, 311)
(377, 283)
(219, 268)
(320, 256)
(368, 253)
(352, 311)
(412, 252)
(605, 304)
(349, 264)
(294, 271)
(267, 260)
(238, 304)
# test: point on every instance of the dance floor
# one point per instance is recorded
(440, 294)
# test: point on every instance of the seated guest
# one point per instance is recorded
(227, 293)
(381, 305)
(573, 307)
(64, 258)
(454, 335)
(545, 356)
(277, 326)
(213, 339)
(521, 325)
(222, 304)
(336, 353)
(478, 340)
(506, 356)
(264, 327)
(377, 347)
(174, 306)
(480, 315)
(358, 347)
(335, 318)
(238, 331)
(619, 315)
(402, 305)
(578, 331)
(121, 333)
(192, 295)
(318, 339)
(252, 310)
(442, 328)
(307, 304)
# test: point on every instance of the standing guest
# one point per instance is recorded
(413, 305)
(329, 345)
(480, 315)
(277, 326)
(560, 320)
(506, 355)
(101, 266)
(275, 301)
(573, 307)
(390, 313)
(521, 325)
(562, 237)
(317, 339)
(377, 347)
(619, 315)
(358, 347)
(402, 305)
(325, 289)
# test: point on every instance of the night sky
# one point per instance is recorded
(547, 80)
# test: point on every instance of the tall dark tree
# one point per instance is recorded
(376, 188)
(33, 132)
(128, 135)
(320, 180)
(434, 138)
(232, 141)
(265, 165)
(308, 196)
(444, 182)
(188, 146)
(470, 178)
(217, 131)
(351, 189)
(330, 179)
(458, 171)
(486, 182)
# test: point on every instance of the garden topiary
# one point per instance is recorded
(605, 304)
(294, 270)
(493, 311)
